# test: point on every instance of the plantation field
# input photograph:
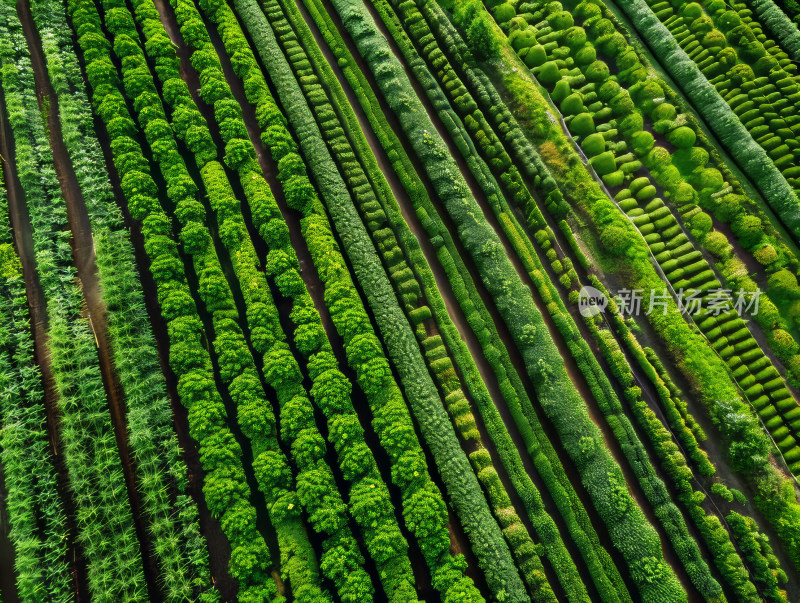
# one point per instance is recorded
(399, 300)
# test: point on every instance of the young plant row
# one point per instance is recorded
(423, 507)
(104, 519)
(513, 394)
(38, 521)
(161, 474)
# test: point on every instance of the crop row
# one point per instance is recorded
(225, 487)
(620, 369)
(103, 515)
(38, 521)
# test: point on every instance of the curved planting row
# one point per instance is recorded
(541, 452)
(103, 515)
(36, 514)
(615, 111)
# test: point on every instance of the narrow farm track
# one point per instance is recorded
(20, 223)
(82, 244)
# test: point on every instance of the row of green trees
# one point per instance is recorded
(105, 525)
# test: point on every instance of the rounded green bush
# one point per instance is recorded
(522, 38)
(582, 124)
(597, 72)
(572, 105)
(633, 122)
(683, 137)
(642, 142)
(766, 255)
(575, 37)
(748, 229)
(638, 184)
(594, 144)
(549, 73)
(536, 56)
(561, 20)
(692, 11)
(608, 90)
(657, 158)
(684, 193)
(700, 224)
(604, 163)
(664, 111)
(646, 193)
(585, 55)
(561, 91)
(614, 179)
(711, 178)
(504, 12)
